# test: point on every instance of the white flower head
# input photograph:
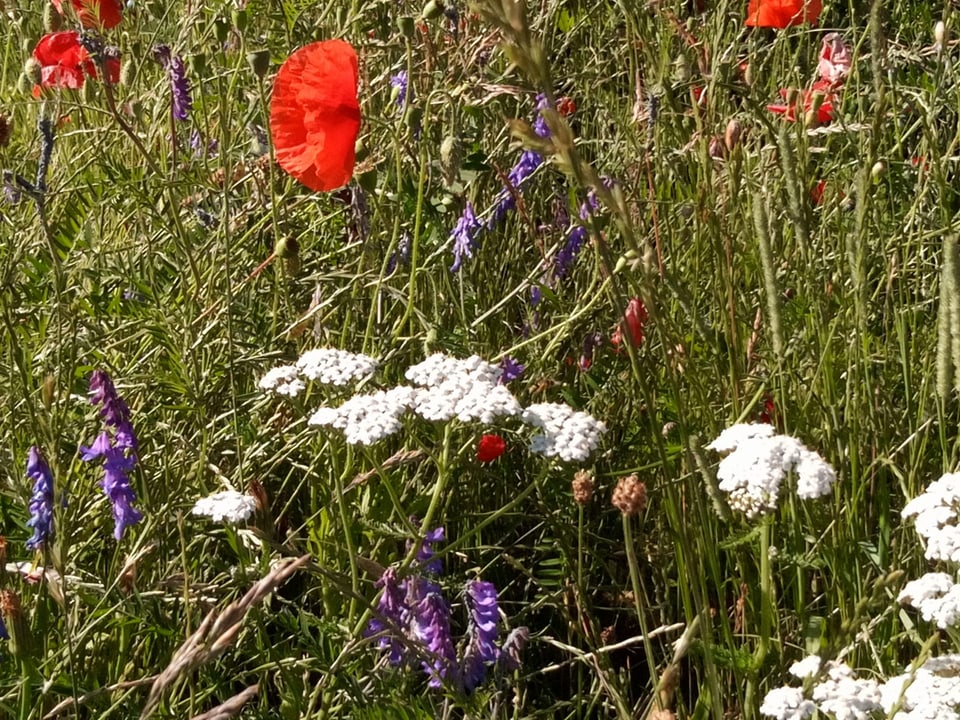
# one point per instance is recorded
(929, 693)
(787, 703)
(466, 399)
(808, 667)
(757, 463)
(335, 367)
(228, 506)
(735, 435)
(565, 433)
(845, 696)
(283, 380)
(936, 596)
(438, 368)
(935, 517)
(366, 419)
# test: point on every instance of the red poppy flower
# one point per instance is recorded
(315, 114)
(64, 61)
(490, 448)
(782, 13)
(824, 111)
(566, 106)
(634, 318)
(95, 13)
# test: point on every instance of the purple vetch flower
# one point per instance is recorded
(510, 370)
(484, 616)
(512, 648)
(539, 124)
(464, 236)
(400, 256)
(430, 622)
(529, 161)
(392, 607)
(41, 502)
(179, 84)
(563, 262)
(117, 451)
(401, 83)
(11, 192)
(425, 555)
(590, 343)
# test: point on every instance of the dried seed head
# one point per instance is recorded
(6, 129)
(17, 626)
(630, 495)
(582, 487)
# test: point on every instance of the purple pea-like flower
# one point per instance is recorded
(563, 262)
(118, 452)
(512, 648)
(41, 501)
(401, 83)
(426, 558)
(392, 607)
(179, 84)
(464, 236)
(484, 615)
(510, 370)
(430, 622)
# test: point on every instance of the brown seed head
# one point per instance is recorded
(6, 129)
(582, 487)
(630, 495)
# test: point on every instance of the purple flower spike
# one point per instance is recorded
(392, 606)
(431, 627)
(425, 555)
(179, 84)
(484, 616)
(464, 236)
(118, 452)
(41, 502)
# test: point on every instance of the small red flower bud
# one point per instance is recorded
(490, 448)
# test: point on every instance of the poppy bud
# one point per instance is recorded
(878, 170)
(128, 72)
(21, 640)
(221, 30)
(432, 9)
(240, 19)
(406, 25)
(450, 159)
(52, 21)
(717, 149)
(259, 62)
(24, 83)
(32, 70)
(732, 135)
(940, 33)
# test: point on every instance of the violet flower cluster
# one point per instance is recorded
(401, 84)
(179, 84)
(118, 450)
(41, 501)
(413, 622)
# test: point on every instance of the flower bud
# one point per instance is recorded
(32, 69)
(878, 170)
(450, 159)
(52, 22)
(432, 9)
(198, 64)
(48, 391)
(259, 62)
(582, 486)
(940, 33)
(630, 496)
(240, 19)
(21, 641)
(128, 72)
(731, 137)
(717, 149)
(406, 25)
(221, 30)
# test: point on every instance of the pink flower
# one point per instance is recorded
(835, 59)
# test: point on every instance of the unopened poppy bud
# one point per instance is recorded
(432, 9)
(128, 72)
(24, 83)
(414, 118)
(450, 159)
(681, 69)
(32, 70)
(878, 170)
(717, 148)
(940, 33)
(731, 137)
(630, 495)
(21, 640)
(221, 30)
(259, 62)
(582, 487)
(407, 26)
(240, 19)
(52, 21)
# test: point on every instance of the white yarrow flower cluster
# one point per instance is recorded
(565, 433)
(438, 368)
(324, 365)
(936, 596)
(283, 380)
(935, 518)
(228, 506)
(808, 667)
(841, 694)
(365, 419)
(335, 367)
(930, 692)
(757, 463)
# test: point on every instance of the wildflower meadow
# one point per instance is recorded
(480, 359)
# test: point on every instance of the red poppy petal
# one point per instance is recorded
(315, 114)
(490, 448)
(782, 13)
(98, 13)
